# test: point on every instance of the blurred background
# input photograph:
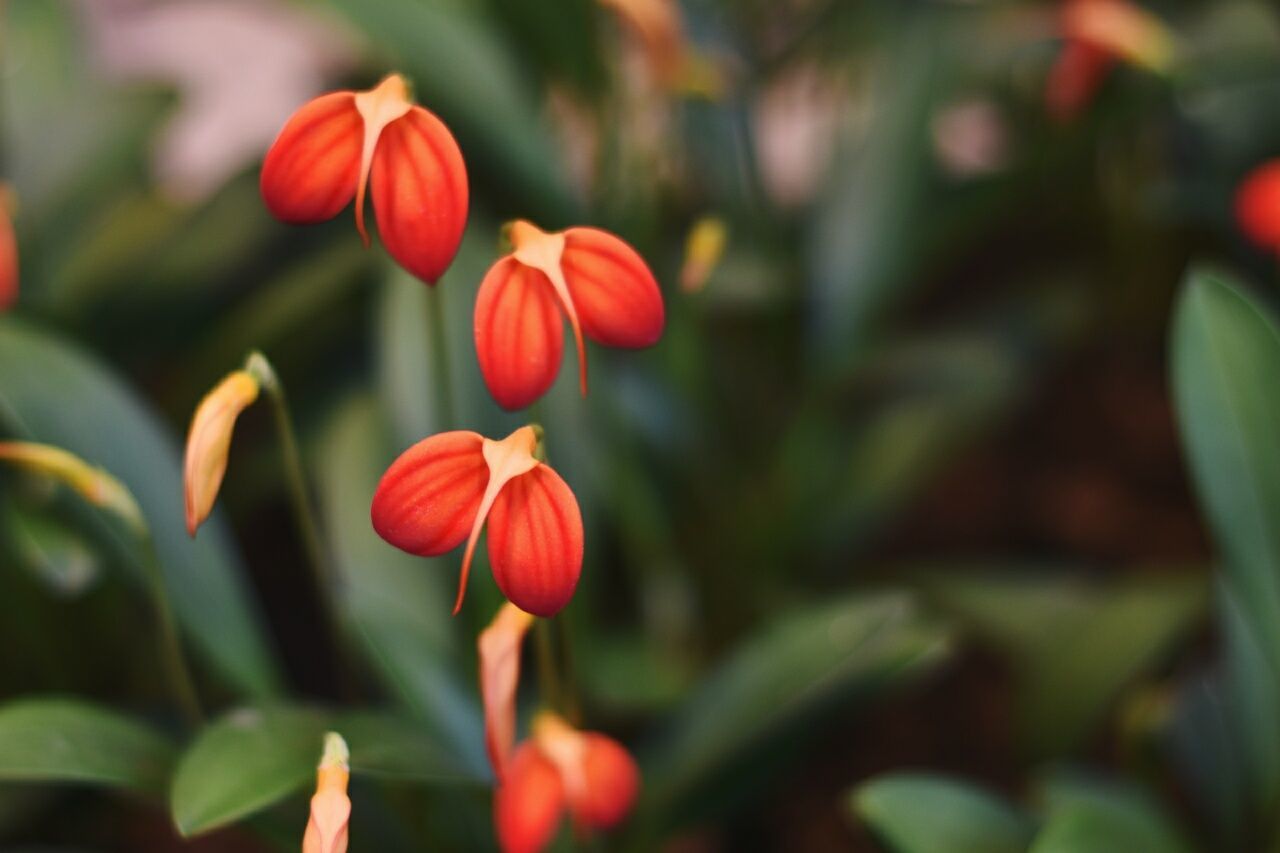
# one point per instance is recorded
(901, 490)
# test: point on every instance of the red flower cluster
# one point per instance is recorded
(445, 489)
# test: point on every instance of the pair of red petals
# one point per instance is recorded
(600, 284)
(339, 144)
(442, 491)
(559, 769)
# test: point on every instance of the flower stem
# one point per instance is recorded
(548, 671)
(172, 657)
(442, 375)
(304, 511)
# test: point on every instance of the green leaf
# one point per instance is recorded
(387, 745)
(244, 762)
(398, 603)
(1225, 363)
(921, 813)
(254, 758)
(1073, 644)
(51, 550)
(75, 403)
(1102, 816)
(64, 740)
(778, 684)
(1225, 359)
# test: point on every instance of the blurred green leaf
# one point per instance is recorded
(253, 758)
(1073, 644)
(65, 740)
(385, 745)
(1102, 816)
(244, 762)
(53, 551)
(75, 403)
(920, 813)
(777, 684)
(1225, 357)
(399, 604)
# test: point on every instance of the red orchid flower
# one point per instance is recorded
(499, 651)
(1097, 34)
(600, 283)
(8, 260)
(338, 144)
(1258, 205)
(443, 489)
(559, 768)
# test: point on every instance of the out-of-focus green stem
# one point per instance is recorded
(172, 657)
(548, 671)
(304, 511)
(440, 367)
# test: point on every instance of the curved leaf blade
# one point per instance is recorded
(65, 740)
(77, 404)
(924, 813)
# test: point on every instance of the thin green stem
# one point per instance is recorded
(548, 671)
(568, 681)
(305, 513)
(172, 657)
(442, 375)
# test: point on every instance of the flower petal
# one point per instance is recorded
(1077, 73)
(310, 171)
(428, 498)
(1258, 205)
(612, 781)
(529, 803)
(208, 442)
(617, 298)
(499, 648)
(535, 542)
(419, 189)
(8, 261)
(519, 333)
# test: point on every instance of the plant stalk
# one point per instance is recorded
(440, 367)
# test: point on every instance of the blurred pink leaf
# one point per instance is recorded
(240, 69)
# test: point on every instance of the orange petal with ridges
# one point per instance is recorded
(529, 803)
(427, 500)
(617, 297)
(419, 189)
(499, 650)
(519, 333)
(612, 783)
(536, 542)
(310, 172)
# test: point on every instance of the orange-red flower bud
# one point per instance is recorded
(442, 490)
(209, 440)
(1258, 205)
(327, 828)
(589, 774)
(529, 803)
(8, 259)
(339, 145)
(600, 283)
(1096, 35)
(499, 648)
